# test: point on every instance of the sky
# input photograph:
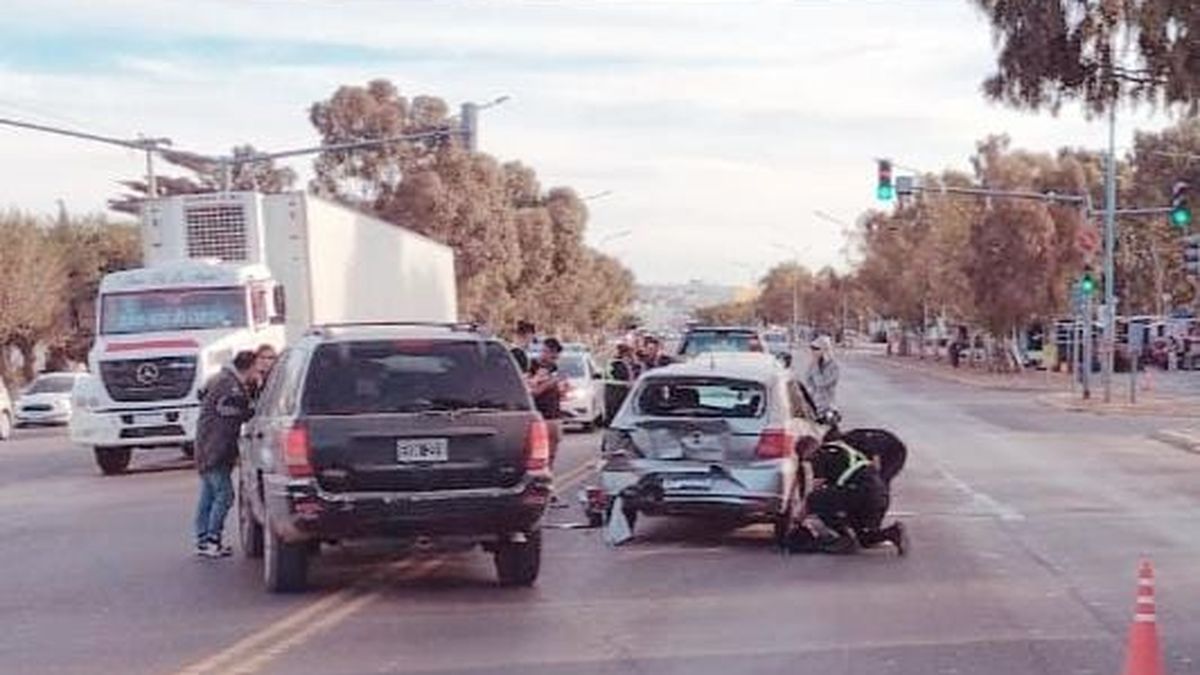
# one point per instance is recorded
(717, 127)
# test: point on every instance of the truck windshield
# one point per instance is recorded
(171, 310)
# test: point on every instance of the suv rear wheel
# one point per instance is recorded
(518, 564)
(112, 461)
(285, 565)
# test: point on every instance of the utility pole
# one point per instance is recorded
(1110, 234)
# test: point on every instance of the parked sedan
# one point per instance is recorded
(724, 436)
(47, 400)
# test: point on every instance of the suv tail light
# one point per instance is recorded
(297, 456)
(537, 447)
(774, 444)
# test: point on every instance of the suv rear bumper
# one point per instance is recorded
(301, 510)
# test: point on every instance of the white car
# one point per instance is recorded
(6, 413)
(47, 400)
(583, 404)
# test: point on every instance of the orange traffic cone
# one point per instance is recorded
(1143, 655)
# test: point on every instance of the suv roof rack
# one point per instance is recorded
(451, 326)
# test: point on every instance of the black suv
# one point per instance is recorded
(422, 433)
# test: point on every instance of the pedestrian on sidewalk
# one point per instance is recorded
(223, 410)
(821, 379)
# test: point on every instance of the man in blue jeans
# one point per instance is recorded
(223, 410)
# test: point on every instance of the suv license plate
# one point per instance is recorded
(687, 484)
(422, 450)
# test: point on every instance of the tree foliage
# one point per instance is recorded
(1094, 51)
(519, 250)
(207, 175)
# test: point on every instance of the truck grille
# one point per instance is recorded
(134, 380)
(217, 231)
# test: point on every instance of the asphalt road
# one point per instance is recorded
(1027, 527)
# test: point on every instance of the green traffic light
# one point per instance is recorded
(1181, 217)
(885, 193)
(1087, 285)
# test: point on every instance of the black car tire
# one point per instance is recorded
(285, 565)
(250, 531)
(785, 521)
(112, 461)
(188, 450)
(595, 519)
(518, 564)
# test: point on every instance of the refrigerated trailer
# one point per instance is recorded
(226, 272)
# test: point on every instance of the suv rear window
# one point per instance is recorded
(707, 341)
(701, 397)
(397, 376)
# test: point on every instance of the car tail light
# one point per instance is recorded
(297, 456)
(537, 447)
(774, 444)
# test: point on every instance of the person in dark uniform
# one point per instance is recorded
(850, 500)
(520, 350)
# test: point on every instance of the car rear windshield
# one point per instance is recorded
(703, 342)
(390, 376)
(702, 397)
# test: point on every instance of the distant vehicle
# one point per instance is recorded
(708, 339)
(422, 434)
(583, 405)
(723, 436)
(6, 414)
(47, 401)
(779, 345)
(231, 271)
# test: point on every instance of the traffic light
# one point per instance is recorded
(1087, 282)
(1191, 255)
(1181, 211)
(885, 191)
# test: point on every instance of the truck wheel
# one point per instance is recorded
(6, 425)
(519, 564)
(250, 530)
(112, 461)
(285, 565)
(188, 450)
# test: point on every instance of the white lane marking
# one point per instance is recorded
(984, 501)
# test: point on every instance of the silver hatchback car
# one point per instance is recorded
(721, 436)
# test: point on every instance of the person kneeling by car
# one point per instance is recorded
(848, 503)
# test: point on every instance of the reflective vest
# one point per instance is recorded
(856, 462)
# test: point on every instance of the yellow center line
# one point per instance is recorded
(273, 630)
(270, 652)
(264, 645)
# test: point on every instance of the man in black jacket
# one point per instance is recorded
(223, 410)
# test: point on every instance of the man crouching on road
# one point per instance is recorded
(847, 505)
(223, 410)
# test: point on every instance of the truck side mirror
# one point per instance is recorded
(280, 300)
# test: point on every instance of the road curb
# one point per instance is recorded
(1178, 438)
(1071, 402)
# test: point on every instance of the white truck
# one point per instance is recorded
(231, 271)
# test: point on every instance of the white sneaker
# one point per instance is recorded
(208, 549)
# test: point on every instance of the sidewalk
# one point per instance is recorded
(1036, 381)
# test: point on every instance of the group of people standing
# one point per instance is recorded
(226, 403)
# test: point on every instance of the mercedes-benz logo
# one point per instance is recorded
(147, 373)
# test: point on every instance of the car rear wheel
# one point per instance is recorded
(6, 425)
(249, 529)
(285, 565)
(112, 461)
(518, 564)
